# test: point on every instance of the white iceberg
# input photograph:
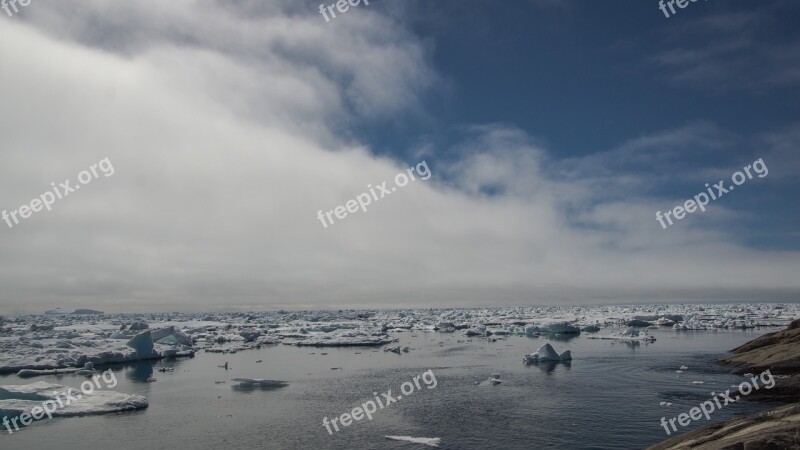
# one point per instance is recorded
(546, 353)
(142, 343)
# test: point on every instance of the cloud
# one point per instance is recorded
(230, 128)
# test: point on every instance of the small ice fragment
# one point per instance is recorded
(684, 368)
(698, 382)
(430, 442)
(665, 404)
(254, 383)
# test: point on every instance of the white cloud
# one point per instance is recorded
(228, 131)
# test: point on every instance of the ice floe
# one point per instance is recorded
(257, 383)
(16, 400)
(63, 341)
(430, 442)
(629, 334)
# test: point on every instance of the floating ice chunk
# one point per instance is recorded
(253, 383)
(665, 404)
(478, 330)
(137, 326)
(563, 328)
(430, 442)
(250, 335)
(684, 368)
(532, 330)
(170, 336)
(16, 400)
(30, 373)
(143, 344)
(87, 371)
(341, 338)
(120, 335)
(445, 327)
(629, 334)
(88, 312)
(546, 353)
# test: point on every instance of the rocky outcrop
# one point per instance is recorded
(778, 428)
(775, 429)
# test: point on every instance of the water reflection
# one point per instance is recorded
(550, 366)
(142, 372)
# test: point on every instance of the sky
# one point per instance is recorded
(553, 131)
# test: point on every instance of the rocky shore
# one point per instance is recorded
(779, 428)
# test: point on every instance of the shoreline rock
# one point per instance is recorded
(778, 428)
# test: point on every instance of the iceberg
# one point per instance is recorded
(142, 343)
(546, 353)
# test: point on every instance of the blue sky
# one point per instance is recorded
(585, 77)
(554, 131)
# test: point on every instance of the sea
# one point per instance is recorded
(612, 395)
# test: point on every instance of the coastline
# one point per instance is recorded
(777, 428)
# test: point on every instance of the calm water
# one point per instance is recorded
(608, 398)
